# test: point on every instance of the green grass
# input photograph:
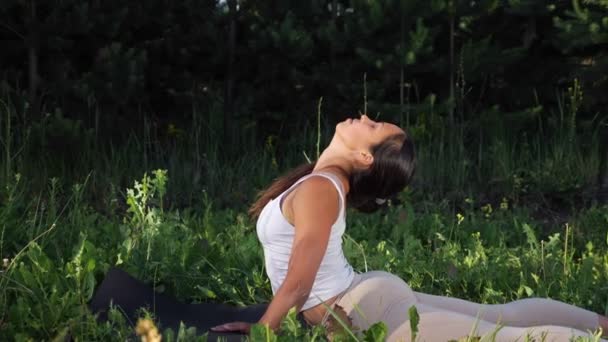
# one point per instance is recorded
(214, 255)
(491, 217)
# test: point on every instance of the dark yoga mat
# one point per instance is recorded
(130, 294)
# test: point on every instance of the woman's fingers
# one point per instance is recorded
(233, 326)
(223, 327)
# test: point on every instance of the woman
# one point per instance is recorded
(301, 219)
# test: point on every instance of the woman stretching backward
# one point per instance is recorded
(300, 223)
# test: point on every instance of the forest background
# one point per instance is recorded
(505, 100)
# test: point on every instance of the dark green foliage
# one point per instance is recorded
(505, 101)
(159, 58)
(479, 253)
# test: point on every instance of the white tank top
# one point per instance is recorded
(276, 235)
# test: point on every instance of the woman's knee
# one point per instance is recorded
(512, 312)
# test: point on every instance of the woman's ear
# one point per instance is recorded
(363, 160)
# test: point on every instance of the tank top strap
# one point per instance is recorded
(337, 182)
(333, 178)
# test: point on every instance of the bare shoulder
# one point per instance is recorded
(318, 186)
(318, 198)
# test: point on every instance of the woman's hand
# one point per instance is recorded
(242, 327)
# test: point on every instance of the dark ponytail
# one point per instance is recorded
(391, 171)
(277, 187)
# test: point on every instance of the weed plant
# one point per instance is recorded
(468, 227)
(486, 256)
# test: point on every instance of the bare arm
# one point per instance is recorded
(315, 208)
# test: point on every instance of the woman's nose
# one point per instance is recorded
(365, 118)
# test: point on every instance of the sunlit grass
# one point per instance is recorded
(468, 227)
(213, 254)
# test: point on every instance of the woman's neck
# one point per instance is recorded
(333, 160)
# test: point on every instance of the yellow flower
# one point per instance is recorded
(147, 331)
(459, 218)
(487, 210)
(504, 204)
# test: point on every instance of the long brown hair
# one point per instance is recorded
(391, 171)
(278, 187)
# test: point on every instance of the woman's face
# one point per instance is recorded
(364, 133)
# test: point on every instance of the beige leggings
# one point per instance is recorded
(380, 296)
